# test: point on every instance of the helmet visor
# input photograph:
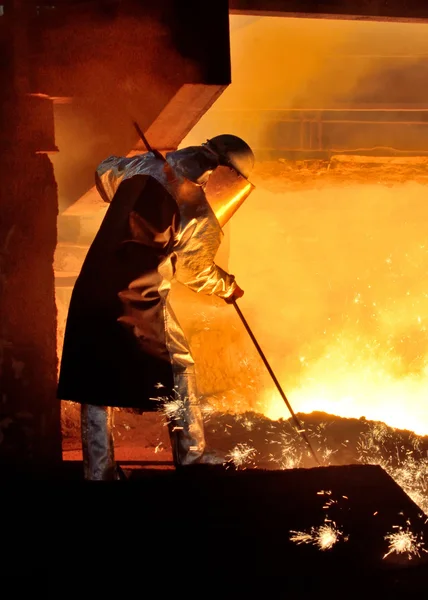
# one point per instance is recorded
(226, 190)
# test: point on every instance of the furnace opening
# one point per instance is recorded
(331, 248)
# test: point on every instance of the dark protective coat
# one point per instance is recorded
(123, 345)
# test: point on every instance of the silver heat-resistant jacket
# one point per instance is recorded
(122, 339)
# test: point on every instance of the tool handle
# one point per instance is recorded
(276, 382)
(146, 143)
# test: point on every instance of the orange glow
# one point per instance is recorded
(335, 274)
(337, 294)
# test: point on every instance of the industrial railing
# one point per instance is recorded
(364, 128)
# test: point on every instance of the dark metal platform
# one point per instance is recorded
(209, 517)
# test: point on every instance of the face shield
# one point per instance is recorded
(225, 191)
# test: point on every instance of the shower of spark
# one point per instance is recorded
(319, 437)
(324, 537)
(383, 446)
(326, 455)
(241, 454)
(248, 424)
(288, 461)
(244, 421)
(404, 541)
(174, 409)
(327, 536)
(293, 451)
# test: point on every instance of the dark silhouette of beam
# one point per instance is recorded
(377, 10)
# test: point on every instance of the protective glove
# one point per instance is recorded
(237, 293)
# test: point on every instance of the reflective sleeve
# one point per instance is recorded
(212, 281)
(111, 172)
(194, 264)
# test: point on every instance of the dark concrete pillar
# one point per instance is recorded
(29, 412)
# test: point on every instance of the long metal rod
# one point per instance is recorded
(146, 143)
(298, 424)
(142, 137)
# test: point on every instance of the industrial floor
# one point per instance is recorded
(324, 531)
(217, 523)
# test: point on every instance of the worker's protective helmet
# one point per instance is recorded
(228, 186)
(233, 152)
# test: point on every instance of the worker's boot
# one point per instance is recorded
(98, 444)
(186, 426)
